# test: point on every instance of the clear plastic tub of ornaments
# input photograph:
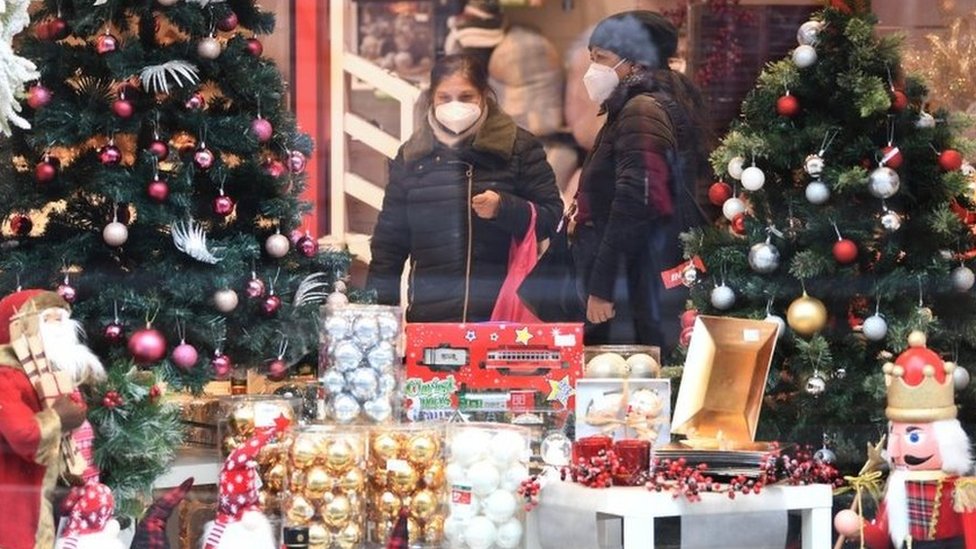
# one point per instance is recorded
(241, 417)
(486, 465)
(359, 362)
(639, 361)
(405, 472)
(325, 487)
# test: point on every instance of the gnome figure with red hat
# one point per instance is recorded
(929, 502)
(41, 360)
(240, 522)
(90, 523)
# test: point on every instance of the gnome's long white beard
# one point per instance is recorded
(66, 351)
(252, 531)
(108, 538)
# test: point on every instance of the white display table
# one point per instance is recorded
(203, 464)
(638, 508)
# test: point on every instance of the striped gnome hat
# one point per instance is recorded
(151, 532)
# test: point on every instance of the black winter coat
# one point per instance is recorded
(458, 261)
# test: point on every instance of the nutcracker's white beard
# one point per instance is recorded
(252, 531)
(106, 539)
(896, 505)
(64, 349)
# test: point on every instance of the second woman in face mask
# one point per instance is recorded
(459, 191)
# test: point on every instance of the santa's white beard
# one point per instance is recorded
(106, 539)
(66, 352)
(252, 531)
(896, 505)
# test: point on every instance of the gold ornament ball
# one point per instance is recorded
(434, 475)
(339, 456)
(271, 453)
(806, 315)
(414, 529)
(422, 448)
(336, 513)
(274, 479)
(423, 504)
(403, 480)
(319, 536)
(379, 478)
(242, 420)
(434, 530)
(299, 511)
(317, 481)
(384, 446)
(388, 505)
(303, 452)
(349, 537)
(352, 481)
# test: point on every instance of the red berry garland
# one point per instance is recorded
(112, 399)
(529, 491)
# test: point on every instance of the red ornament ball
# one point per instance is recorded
(254, 47)
(55, 29)
(21, 225)
(277, 369)
(223, 205)
(158, 190)
(788, 106)
(255, 288)
(688, 318)
(67, 292)
(46, 170)
(221, 365)
(950, 160)
(845, 251)
(38, 96)
(159, 149)
(106, 43)
(270, 305)
(261, 130)
(228, 23)
(274, 167)
(307, 246)
(719, 192)
(122, 108)
(899, 101)
(147, 345)
(739, 224)
(110, 155)
(114, 333)
(896, 159)
(297, 162)
(203, 159)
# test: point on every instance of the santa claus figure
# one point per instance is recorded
(929, 503)
(37, 411)
(90, 523)
(240, 521)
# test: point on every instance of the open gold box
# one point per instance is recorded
(723, 384)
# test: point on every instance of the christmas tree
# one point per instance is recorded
(159, 191)
(846, 221)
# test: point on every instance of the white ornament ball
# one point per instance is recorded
(509, 535)
(168, 2)
(763, 257)
(454, 529)
(925, 121)
(736, 166)
(962, 278)
(507, 447)
(115, 234)
(606, 365)
(968, 170)
(814, 165)
(891, 221)
(753, 178)
(884, 182)
(500, 506)
(960, 378)
(455, 473)
(874, 328)
(469, 445)
(556, 449)
(778, 320)
(209, 48)
(722, 297)
(817, 192)
(733, 207)
(484, 478)
(479, 533)
(277, 245)
(808, 33)
(513, 477)
(225, 300)
(804, 56)
(642, 365)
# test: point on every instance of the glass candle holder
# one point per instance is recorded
(634, 457)
(590, 447)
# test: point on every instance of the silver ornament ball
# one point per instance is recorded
(816, 385)
(763, 257)
(379, 409)
(389, 326)
(365, 330)
(925, 121)
(963, 278)
(804, 56)
(115, 234)
(778, 320)
(363, 383)
(225, 300)
(722, 297)
(345, 408)
(884, 182)
(346, 356)
(817, 192)
(381, 357)
(825, 455)
(388, 384)
(891, 221)
(813, 165)
(960, 378)
(334, 381)
(337, 327)
(874, 328)
(808, 33)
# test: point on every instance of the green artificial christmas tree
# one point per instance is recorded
(846, 214)
(159, 191)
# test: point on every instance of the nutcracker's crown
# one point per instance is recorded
(920, 385)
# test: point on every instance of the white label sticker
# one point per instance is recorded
(397, 465)
(750, 335)
(265, 414)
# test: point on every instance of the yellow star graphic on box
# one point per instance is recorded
(523, 336)
(560, 390)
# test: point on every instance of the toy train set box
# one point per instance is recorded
(491, 366)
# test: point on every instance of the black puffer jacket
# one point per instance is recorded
(427, 217)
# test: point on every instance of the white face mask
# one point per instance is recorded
(457, 116)
(600, 81)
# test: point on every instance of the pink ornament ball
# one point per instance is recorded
(185, 356)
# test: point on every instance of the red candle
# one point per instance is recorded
(634, 457)
(590, 447)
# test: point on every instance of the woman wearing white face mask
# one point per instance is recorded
(459, 191)
(640, 182)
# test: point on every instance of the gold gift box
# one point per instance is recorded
(723, 383)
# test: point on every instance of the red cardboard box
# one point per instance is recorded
(527, 365)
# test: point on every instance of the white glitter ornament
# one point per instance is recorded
(874, 327)
(722, 297)
(509, 535)
(455, 473)
(804, 56)
(763, 257)
(962, 278)
(808, 33)
(209, 48)
(387, 385)
(736, 166)
(454, 528)
(500, 506)
(884, 182)
(483, 477)
(960, 378)
(817, 192)
(733, 207)
(891, 221)
(753, 178)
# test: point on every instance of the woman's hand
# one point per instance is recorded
(599, 310)
(486, 204)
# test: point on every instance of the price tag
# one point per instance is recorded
(460, 494)
(397, 465)
(265, 414)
